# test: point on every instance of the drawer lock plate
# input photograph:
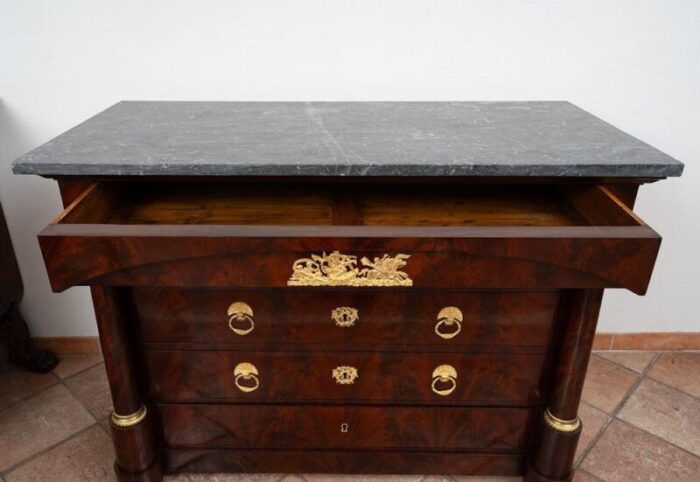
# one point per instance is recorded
(345, 375)
(345, 316)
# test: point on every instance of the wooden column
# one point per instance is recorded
(132, 425)
(559, 428)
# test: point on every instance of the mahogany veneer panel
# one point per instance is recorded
(191, 376)
(403, 317)
(309, 427)
(342, 461)
(525, 264)
(463, 219)
(612, 247)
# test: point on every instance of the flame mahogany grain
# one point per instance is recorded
(294, 427)
(341, 461)
(295, 377)
(390, 319)
(525, 260)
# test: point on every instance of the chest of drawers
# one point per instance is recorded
(347, 325)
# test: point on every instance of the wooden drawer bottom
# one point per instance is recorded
(301, 427)
(341, 461)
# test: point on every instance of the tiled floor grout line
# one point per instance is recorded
(648, 369)
(622, 420)
(99, 362)
(47, 449)
(590, 475)
(25, 398)
(673, 388)
(613, 415)
(644, 375)
(58, 379)
(62, 382)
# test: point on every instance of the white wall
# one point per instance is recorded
(634, 63)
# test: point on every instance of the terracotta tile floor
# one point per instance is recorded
(640, 410)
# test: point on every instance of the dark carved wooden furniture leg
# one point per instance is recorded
(14, 331)
(559, 428)
(13, 328)
(137, 459)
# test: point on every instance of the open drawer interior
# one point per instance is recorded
(316, 204)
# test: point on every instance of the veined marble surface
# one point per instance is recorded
(347, 139)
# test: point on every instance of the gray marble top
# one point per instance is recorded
(347, 139)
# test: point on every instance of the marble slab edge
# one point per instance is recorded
(656, 171)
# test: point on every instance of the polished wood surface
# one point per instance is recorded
(296, 427)
(390, 319)
(553, 456)
(384, 205)
(580, 317)
(342, 461)
(189, 376)
(241, 257)
(135, 446)
(117, 349)
(14, 331)
(525, 261)
(493, 256)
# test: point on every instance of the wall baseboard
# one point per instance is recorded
(89, 345)
(70, 345)
(647, 341)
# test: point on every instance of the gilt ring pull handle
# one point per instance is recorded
(449, 318)
(246, 372)
(444, 375)
(240, 313)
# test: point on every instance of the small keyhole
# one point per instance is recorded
(344, 428)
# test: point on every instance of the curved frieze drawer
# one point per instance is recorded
(389, 236)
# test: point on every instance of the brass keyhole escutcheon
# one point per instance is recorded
(345, 375)
(449, 322)
(344, 428)
(240, 313)
(246, 377)
(345, 316)
(444, 380)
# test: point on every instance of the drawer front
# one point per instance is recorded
(508, 237)
(450, 378)
(359, 427)
(206, 460)
(353, 319)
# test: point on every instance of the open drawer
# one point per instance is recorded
(348, 235)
